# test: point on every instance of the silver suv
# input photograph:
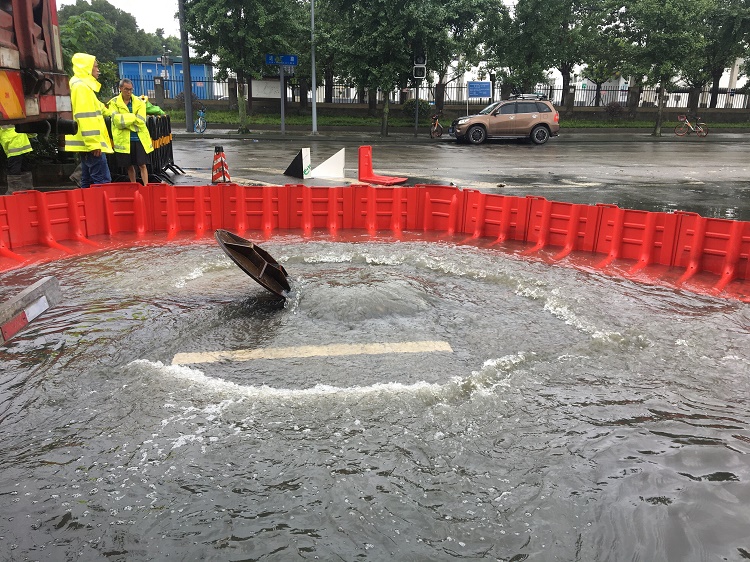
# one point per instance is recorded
(526, 116)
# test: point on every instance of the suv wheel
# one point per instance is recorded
(476, 134)
(539, 134)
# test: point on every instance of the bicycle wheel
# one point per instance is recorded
(701, 130)
(200, 125)
(681, 130)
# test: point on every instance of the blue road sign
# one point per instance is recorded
(286, 60)
(480, 89)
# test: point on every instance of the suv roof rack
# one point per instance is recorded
(528, 97)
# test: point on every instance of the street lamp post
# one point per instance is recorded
(314, 83)
(187, 85)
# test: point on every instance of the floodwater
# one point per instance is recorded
(574, 417)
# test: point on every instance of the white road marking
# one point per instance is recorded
(332, 350)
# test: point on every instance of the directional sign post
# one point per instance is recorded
(281, 61)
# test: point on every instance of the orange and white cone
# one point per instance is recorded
(220, 171)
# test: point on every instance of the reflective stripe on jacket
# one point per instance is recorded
(14, 144)
(123, 122)
(88, 111)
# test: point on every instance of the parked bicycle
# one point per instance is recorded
(436, 129)
(686, 127)
(200, 123)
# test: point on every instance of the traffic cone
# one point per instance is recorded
(220, 172)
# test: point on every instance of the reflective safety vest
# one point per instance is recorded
(88, 111)
(14, 144)
(123, 122)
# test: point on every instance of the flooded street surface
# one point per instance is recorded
(708, 176)
(575, 417)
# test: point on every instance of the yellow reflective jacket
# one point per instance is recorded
(14, 144)
(88, 111)
(123, 122)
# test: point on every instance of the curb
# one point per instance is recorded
(367, 137)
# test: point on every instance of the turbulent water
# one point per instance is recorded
(577, 417)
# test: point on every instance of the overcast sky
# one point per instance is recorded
(149, 14)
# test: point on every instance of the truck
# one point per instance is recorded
(34, 88)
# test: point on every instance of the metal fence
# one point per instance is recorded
(455, 94)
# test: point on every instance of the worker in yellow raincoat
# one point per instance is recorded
(92, 139)
(15, 145)
(130, 135)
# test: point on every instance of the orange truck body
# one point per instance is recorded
(34, 90)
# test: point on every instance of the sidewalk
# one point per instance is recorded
(405, 135)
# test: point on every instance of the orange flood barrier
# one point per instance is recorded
(680, 249)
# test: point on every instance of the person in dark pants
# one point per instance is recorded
(15, 145)
(92, 139)
(132, 141)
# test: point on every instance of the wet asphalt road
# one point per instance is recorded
(632, 170)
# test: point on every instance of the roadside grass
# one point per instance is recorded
(397, 119)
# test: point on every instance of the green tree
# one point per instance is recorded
(521, 55)
(459, 29)
(559, 26)
(377, 40)
(84, 33)
(126, 40)
(658, 35)
(236, 35)
(727, 24)
(603, 59)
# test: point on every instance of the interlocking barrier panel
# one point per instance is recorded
(686, 250)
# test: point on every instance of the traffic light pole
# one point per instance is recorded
(416, 106)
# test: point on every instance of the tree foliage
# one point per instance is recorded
(370, 44)
(125, 40)
(83, 34)
(657, 38)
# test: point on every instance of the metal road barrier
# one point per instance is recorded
(161, 161)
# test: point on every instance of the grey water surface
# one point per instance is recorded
(577, 417)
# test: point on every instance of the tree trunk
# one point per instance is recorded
(598, 98)
(440, 95)
(249, 96)
(693, 99)
(303, 93)
(565, 71)
(242, 105)
(372, 99)
(328, 86)
(660, 101)
(715, 76)
(384, 119)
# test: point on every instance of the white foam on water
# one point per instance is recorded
(200, 270)
(197, 377)
(555, 305)
(493, 374)
(330, 257)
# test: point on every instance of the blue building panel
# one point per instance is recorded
(142, 70)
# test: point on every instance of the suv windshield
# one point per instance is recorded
(489, 108)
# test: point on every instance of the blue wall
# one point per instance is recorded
(141, 70)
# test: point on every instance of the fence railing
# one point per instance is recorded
(455, 94)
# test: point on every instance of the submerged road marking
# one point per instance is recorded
(312, 351)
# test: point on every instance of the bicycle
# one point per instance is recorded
(200, 122)
(436, 129)
(686, 127)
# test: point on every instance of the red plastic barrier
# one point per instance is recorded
(37, 226)
(366, 175)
